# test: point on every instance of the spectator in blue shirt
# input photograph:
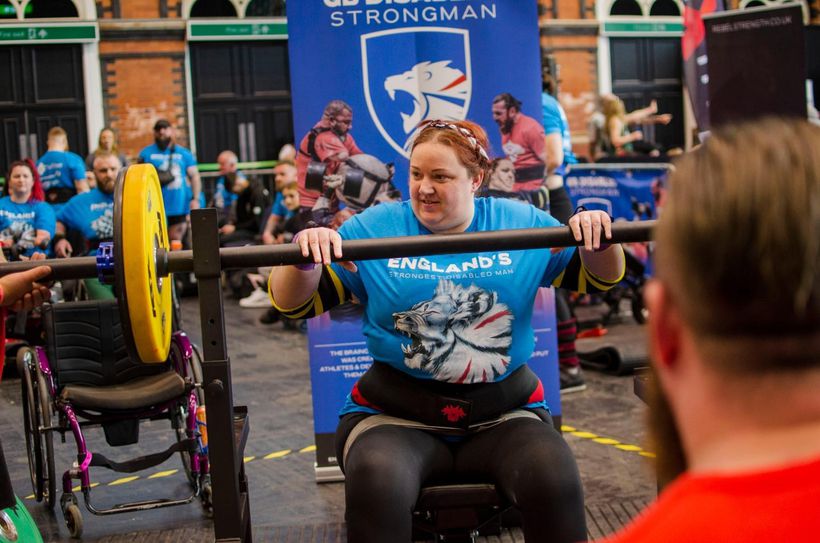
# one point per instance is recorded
(61, 171)
(224, 195)
(26, 222)
(92, 215)
(177, 168)
(559, 156)
(284, 174)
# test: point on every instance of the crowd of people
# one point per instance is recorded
(450, 391)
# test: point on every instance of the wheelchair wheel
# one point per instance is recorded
(31, 425)
(73, 520)
(46, 417)
(179, 417)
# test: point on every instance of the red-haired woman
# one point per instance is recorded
(26, 222)
(449, 391)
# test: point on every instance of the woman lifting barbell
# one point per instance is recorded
(450, 336)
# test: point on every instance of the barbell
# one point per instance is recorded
(140, 261)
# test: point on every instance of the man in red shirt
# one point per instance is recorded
(734, 339)
(522, 139)
(329, 141)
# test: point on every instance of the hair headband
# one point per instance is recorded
(464, 132)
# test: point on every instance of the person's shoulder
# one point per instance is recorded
(147, 150)
(381, 220)
(502, 213)
(42, 207)
(74, 156)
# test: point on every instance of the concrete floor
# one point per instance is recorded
(603, 425)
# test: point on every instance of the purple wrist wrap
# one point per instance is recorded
(303, 267)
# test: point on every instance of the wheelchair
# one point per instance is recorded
(84, 377)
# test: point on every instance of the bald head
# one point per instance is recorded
(227, 161)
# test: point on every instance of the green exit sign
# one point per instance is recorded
(48, 33)
(654, 28)
(276, 29)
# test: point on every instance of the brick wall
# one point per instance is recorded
(143, 81)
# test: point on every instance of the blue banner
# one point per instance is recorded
(397, 63)
(629, 192)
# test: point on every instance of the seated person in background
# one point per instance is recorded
(223, 196)
(734, 336)
(619, 140)
(502, 185)
(26, 222)
(295, 222)
(92, 214)
(450, 346)
(106, 145)
(283, 174)
(245, 223)
(61, 171)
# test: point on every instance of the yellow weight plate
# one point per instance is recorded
(145, 299)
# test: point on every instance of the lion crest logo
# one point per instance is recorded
(435, 84)
(461, 335)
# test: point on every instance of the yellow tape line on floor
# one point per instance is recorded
(312, 448)
(606, 441)
(167, 473)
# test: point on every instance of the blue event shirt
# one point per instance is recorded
(21, 222)
(222, 198)
(60, 169)
(91, 213)
(175, 194)
(278, 208)
(470, 313)
(555, 121)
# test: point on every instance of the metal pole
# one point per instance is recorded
(363, 249)
(405, 246)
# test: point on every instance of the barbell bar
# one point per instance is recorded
(142, 260)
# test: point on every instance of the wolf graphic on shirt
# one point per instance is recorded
(461, 335)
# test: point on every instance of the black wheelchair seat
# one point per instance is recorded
(458, 512)
(143, 392)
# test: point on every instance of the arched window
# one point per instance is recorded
(265, 8)
(754, 4)
(662, 8)
(213, 8)
(41, 9)
(625, 7)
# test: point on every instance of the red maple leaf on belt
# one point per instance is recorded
(453, 413)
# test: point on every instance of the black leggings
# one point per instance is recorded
(527, 459)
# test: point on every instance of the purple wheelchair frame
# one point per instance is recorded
(80, 470)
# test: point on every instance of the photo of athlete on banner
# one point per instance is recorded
(334, 174)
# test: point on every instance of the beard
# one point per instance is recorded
(162, 143)
(664, 437)
(506, 126)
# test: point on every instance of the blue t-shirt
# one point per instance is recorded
(555, 121)
(91, 213)
(461, 318)
(222, 198)
(60, 169)
(20, 222)
(278, 208)
(175, 194)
